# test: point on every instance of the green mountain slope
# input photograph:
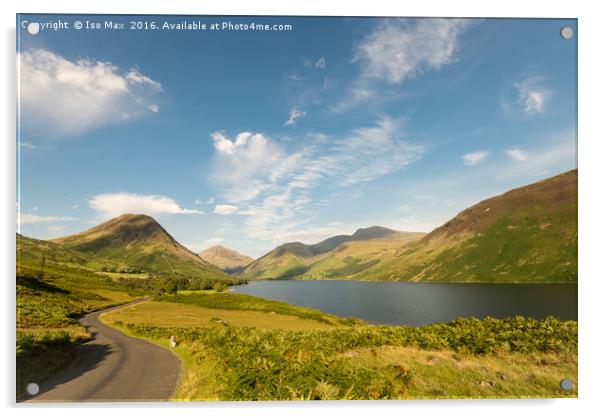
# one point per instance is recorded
(140, 241)
(30, 250)
(528, 234)
(54, 283)
(340, 256)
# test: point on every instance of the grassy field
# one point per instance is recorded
(240, 302)
(169, 315)
(264, 359)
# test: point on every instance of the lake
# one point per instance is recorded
(402, 303)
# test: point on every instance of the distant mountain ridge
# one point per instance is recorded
(139, 240)
(298, 260)
(225, 258)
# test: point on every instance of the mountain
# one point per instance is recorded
(139, 240)
(340, 256)
(226, 259)
(528, 234)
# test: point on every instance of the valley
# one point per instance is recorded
(232, 345)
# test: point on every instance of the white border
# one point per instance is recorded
(590, 207)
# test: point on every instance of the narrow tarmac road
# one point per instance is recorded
(113, 367)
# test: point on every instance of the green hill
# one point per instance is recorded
(139, 240)
(30, 250)
(340, 256)
(528, 234)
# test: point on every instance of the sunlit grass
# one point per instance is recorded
(447, 374)
(169, 314)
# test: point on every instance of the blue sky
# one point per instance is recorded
(255, 138)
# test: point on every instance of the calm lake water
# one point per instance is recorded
(402, 303)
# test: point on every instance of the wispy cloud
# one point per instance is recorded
(27, 145)
(296, 77)
(320, 63)
(294, 116)
(272, 185)
(65, 97)
(153, 108)
(356, 94)
(214, 240)
(399, 49)
(531, 96)
(474, 158)
(111, 205)
(517, 154)
(28, 218)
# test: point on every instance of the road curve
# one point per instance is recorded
(113, 367)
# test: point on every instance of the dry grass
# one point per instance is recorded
(167, 314)
(447, 374)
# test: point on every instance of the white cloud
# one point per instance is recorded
(321, 63)
(112, 205)
(400, 49)
(64, 97)
(214, 240)
(294, 116)
(135, 77)
(27, 218)
(27, 145)
(474, 158)
(295, 77)
(200, 201)
(358, 93)
(153, 108)
(273, 187)
(245, 163)
(225, 209)
(517, 154)
(532, 95)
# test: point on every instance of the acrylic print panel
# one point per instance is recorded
(284, 208)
